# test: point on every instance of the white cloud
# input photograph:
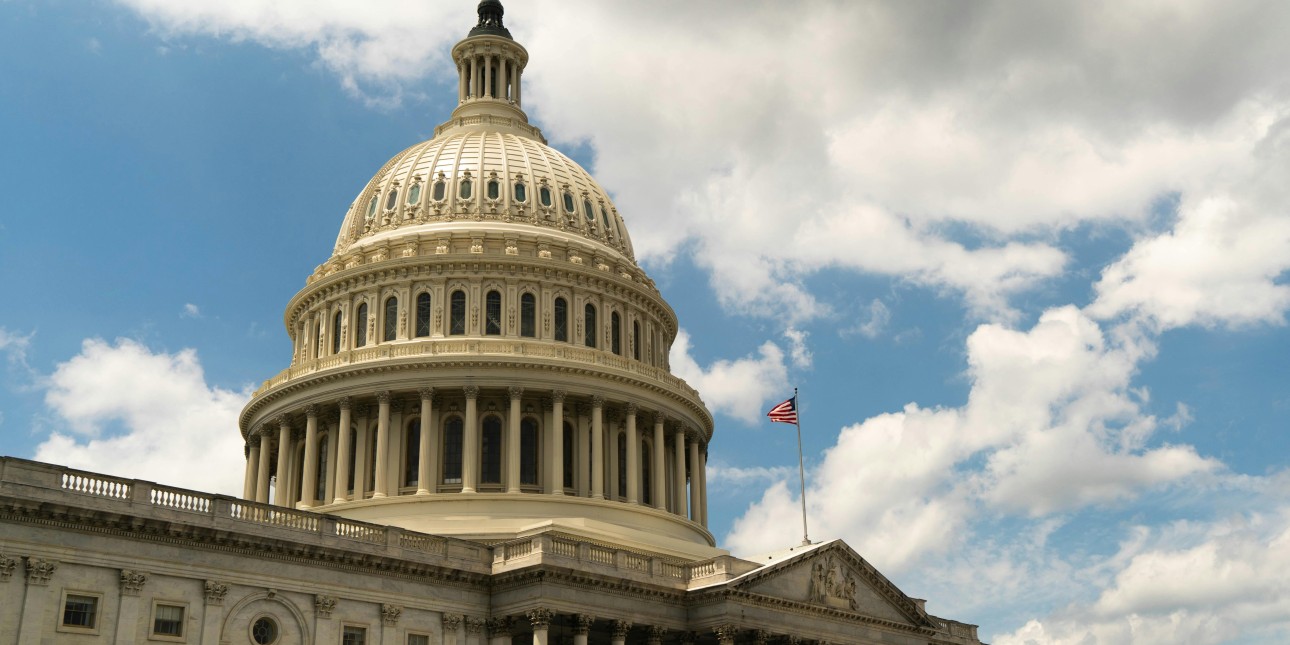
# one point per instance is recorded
(734, 387)
(798, 349)
(875, 321)
(721, 476)
(191, 311)
(15, 345)
(136, 413)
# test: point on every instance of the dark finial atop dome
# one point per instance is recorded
(490, 20)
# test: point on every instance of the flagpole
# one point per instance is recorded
(801, 469)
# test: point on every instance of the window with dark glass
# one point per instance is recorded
(371, 461)
(544, 195)
(561, 311)
(371, 206)
(354, 635)
(264, 631)
(493, 313)
(423, 315)
(391, 319)
(490, 467)
(569, 450)
(622, 465)
(320, 482)
(452, 450)
(568, 203)
(636, 339)
(609, 230)
(412, 454)
(392, 199)
(353, 458)
(528, 452)
(335, 334)
(528, 315)
(418, 639)
(647, 495)
(168, 620)
(521, 193)
(437, 191)
(463, 189)
(615, 333)
(360, 331)
(81, 611)
(589, 323)
(494, 189)
(414, 193)
(317, 346)
(457, 315)
(588, 211)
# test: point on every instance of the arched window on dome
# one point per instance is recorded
(528, 315)
(335, 332)
(528, 452)
(457, 314)
(493, 189)
(647, 494)
(561, 315)
(392, 199)
(412, 454)
(568, 202)
(452, 445)
(615, 333)
(320, 481)
(588, 210)
(544, 196)
(464, 188)
(609, 230)
(360, 327)
(439, 190)
(391, 319)
(493, 313)
(423, 314)
(589, 322)
(569, 451)
(490, 451)
(371, 206)
(636, 339)
(414, 193)
(521, 192)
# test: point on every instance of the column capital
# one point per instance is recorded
(621, 627)
(323, 605)
(132, 582)
(558, 395)
(311, 411)
(726, 633)
(426, 393)
(499, 626)
(582, 623)
(297, 434)
(215, 591)
(390, 614)
(656, 634)
(474, 625)
(383, 397)
(37, 571)
(452, 622)
(760, 637)
(597, 401)
(344, 402)
(631, 408)
(662, 417)
(515, 391)
(540, 617)
(283, 420)
(471, 391)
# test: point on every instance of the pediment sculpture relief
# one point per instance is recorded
(832, 584)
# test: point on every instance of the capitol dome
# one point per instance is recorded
(480, 356)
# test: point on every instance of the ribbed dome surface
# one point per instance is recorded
(463, 177)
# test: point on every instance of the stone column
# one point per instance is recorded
(678, 479)
(284, 460)
(518, 74)
(309, 478)
(633, 457)
(502, 63)
(557, 442)
(584, 454)
(488, 77)
(127, 611)
(36, 598)
(473, 627)
(656, 634)
(425, 449)
(342, 452)
(474, 77)
(540, 619)
(213, 612)
(382, 484)
(451, 625)
(262, 471)
(361, 446)
(597, 447)
(513, 441)
(499, 631)
(461, 82)
(695, 515)
(329, 490)
(582, 626)
(252, 462)
(470, 443)
(618, 636)
(659, 476)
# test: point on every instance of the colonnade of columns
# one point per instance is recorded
(592, 630)
(434, 441)
(489, 76)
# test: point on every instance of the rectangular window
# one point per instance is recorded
(168, 620)
(418, 639)
(354, 635)
(81, 611)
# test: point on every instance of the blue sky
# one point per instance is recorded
(1027, 264)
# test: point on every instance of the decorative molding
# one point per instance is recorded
(390, 614)
(499, 627)
(725, 633)
(760, 637)
(132, 582)
(323, 605)
(7, 565)
(540, 618)
(474, 625)
(832, 584)
(451, 622)
(215, 592)
(37, 571)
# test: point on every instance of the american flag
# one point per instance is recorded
(785, 412)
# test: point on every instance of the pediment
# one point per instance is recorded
(833, 576)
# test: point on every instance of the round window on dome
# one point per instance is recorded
(494, 189)
(392, 199)
(520, 193)
(414, 193)
(437, 191)
(463, 189)
(586, 208)
(544, 194)
(568, 202)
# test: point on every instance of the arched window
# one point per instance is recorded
(414, 193)
(528, 315)
(490, 467)
(589, 322)
(568, 203)
(392, 199)
(609, 230)
(335, 333)
(360, 331)
(588, 211)
(647, 495)
(371, 206)
(569, 451)
(437, 191)
(544, 195)
(615, 333)
(452, 450)
(622, 465)
(493, 189)
(463, 188)
(457, 315)
(493, 313)
(561, 319)
(320, 481)
(636, 339)
(528, 452)
(391, 319)
(412, 454)
(521, 194)
(423, 314)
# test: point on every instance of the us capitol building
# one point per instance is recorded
(478, 441)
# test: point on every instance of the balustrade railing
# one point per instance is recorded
(96, 485)
(180, 499)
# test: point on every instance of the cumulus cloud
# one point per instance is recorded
(874, 321)
(191, 311)
(734, 387)
(130, 411)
